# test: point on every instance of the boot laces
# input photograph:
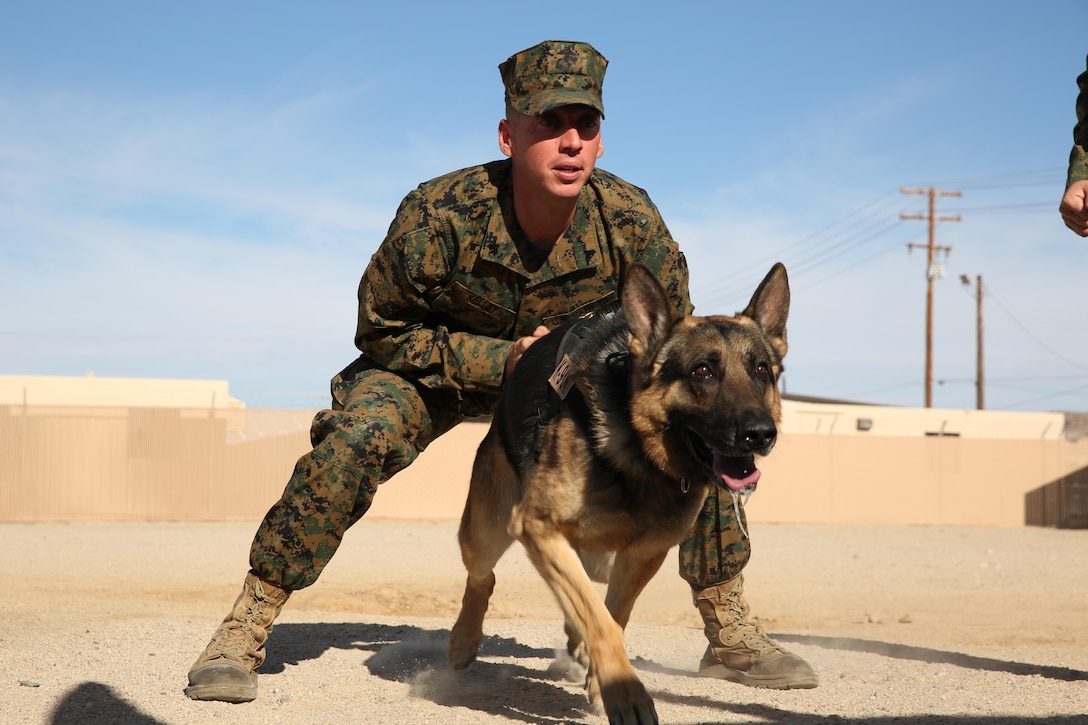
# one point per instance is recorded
(736, 629)
(232, 643)
(235, 640)
(750, 635)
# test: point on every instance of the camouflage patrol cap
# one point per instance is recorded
(552, 74)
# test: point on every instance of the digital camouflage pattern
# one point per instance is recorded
(1078, 158)
(715, 550)
(455, 281)
(378, 424)
(450, 288)
(552, 74)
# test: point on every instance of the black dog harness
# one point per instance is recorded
(561, 381)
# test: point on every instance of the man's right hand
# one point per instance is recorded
(1074, 207)
(521, 345)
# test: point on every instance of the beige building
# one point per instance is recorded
(92, 391)
(100, 449)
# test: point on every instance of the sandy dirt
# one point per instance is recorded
(933, 625)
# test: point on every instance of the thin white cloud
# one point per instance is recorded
(221, 234)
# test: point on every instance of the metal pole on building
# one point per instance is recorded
(980, 385)
(980, 379)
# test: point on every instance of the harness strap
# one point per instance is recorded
(560, 381)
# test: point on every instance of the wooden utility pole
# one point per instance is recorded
(931, 270)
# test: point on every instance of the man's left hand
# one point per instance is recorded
(1074, 207)
(521, 345)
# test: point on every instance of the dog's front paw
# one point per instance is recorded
(626, 702)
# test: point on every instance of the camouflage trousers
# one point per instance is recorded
(378, 424)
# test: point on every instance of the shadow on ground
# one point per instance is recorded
(535, 692)
(93, 702)
(936, 656)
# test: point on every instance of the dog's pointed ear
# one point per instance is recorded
(649, 313)
(770, 306)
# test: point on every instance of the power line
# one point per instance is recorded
(1009, 207)
(842, 270)
(858, 228)
(806, 241)
(832, 241)
(1031, 401)
(820, 257)
(1014, 179)
(1041, 379)
(1027, 331)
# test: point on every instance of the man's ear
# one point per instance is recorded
(504, 138)
(600, 150)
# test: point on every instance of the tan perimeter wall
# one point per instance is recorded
(180, 464)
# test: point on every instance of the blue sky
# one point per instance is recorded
(192, 190)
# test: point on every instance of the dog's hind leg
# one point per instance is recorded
(631, 572)
(484, 539)
(627, 575)
(598, 564)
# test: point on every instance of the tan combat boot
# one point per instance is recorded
(227, 669)
(740, 651)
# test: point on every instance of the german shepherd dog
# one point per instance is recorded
(607, 437)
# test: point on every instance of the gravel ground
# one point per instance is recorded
(922, 625)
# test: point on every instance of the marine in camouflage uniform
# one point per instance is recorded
(455, 282)
(1074, 206)
(450, 288)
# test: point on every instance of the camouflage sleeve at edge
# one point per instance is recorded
(661, 255)
(648, 241)
(1078, 157)
(675, 271)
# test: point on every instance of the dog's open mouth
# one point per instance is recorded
(736, 472)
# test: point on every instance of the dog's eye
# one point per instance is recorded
(702, 371)
(762, 370)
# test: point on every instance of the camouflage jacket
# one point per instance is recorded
(455, 282)
(1078, 158)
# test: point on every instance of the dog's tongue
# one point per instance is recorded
(736, 472)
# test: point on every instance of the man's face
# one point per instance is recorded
(554, 152)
